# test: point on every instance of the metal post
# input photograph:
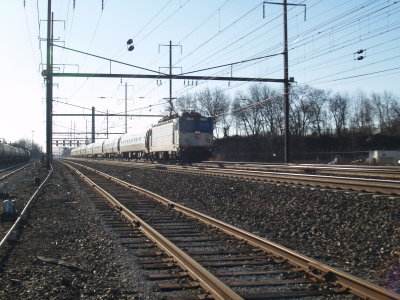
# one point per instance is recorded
(286, 82)
(107, 122)
(170, 79)
(49, 90)
(126, 107)
(93, 126)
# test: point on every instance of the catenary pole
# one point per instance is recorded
(286, 82)
(93, 126)
(49, 90)
(126, 107)
(170, 79)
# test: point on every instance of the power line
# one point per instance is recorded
(359, 75)
(163, 21)
(109, 59)
(234, 63)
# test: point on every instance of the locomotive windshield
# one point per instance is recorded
(203, 125)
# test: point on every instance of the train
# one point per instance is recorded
(185, 138)
(11, 154)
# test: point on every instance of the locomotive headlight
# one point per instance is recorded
(197, 132)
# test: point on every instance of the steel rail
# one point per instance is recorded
(15, 171)
(388, 172)
(356, 286)
(383, 186)
(11, 167)
(351, 183)
(208, 281)
(21, 216)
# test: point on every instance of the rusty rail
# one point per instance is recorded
(208, 281)
(313, 267)
(322, 169)
(390, 187)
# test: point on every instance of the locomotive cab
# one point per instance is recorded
(195, 137)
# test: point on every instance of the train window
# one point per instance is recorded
(204, 126)
(192, 126)
(186, 126)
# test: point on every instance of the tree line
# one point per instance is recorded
(313, 111)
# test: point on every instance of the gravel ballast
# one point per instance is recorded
(65, 252)
(357, 233)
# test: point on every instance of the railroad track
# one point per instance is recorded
(225, 261)
(388, 172)
(4, 173)
(368, 185)
(8, 228)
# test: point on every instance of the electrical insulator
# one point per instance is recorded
(360, 51)
(360, 57)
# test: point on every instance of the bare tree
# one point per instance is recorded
(186, 103)
(247, 110)
(272, 111)
(214, 103)
(362, 119)
(301, 111)
(339, 106)
(394, 127)
(318, 99)
(383, 105)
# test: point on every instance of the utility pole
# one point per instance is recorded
(286, 79)
(86, 139)
(93, 126)
(171, 104)
(49, 89)
(286, 82)
(126, 103)
(126, 107)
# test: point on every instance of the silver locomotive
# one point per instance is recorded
(187, 138)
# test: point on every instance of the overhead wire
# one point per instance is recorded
(39, 30)
(359, 75)
(228, 26)
(29, 34)
(163, 21)
(251, 64)
(190, 33)
(273, 48)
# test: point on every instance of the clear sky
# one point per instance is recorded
(210, 33)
